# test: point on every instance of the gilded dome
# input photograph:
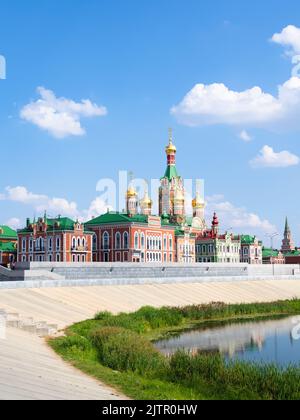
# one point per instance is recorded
(197, 202)
(171, 148)
(131, 192)
(146, 201)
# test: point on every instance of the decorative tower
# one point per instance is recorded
(171, 192)
(146, 205)
(215, 225)
(131, 202)
(288, 244)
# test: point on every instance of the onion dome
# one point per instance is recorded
(197, 202)
(171, 148)
(146, 201)
(131, 193)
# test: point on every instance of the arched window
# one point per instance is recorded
(106, 240)
(136, 240)
(74, 243)
(50, 244)
(118, 240)
(165, 241)
(171, 242)
(83, 242)
(125, 240)
(95, 242)
(78, 242)
(58, 243)
(142, 241)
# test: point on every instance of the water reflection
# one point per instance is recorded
(260, 341)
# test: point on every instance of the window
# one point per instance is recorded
(30, 245)
(125, 240)
(58, 243)
(23, 245)
(118, 240)
(23, 258)
(74, 243)
(165, 241)
(74, 258)
(171, 242)
(105, 240)
(142, 241)
(79, 242)
(57, 258)
(106, 257)
(136, 240)
(95, 242)
(50, 244)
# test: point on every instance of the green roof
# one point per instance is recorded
(295, 253)
(268, 252)
(7, 233)
(171, 172)
(115, 217)
(8, 247)
(248, 239)
(56, 224)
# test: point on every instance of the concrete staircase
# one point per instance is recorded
(39, 328)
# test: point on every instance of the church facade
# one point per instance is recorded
(139, 236)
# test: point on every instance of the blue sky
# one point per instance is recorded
(138, 59)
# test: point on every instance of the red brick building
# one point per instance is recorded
(57, 240)
(119, 237)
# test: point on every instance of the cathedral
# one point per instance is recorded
(137, 235)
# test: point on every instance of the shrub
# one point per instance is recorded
(124, 350)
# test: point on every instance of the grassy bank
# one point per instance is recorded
(118, 351)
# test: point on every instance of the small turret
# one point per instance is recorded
(131, 201)
(215, 225)
(146, 205)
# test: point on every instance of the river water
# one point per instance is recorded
(269, 341)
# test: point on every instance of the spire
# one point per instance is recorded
(287, 227)
(288, 244)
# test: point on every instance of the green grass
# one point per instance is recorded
(118, 351)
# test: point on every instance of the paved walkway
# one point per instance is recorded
(30, 370)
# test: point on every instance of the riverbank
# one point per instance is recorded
(118, 351)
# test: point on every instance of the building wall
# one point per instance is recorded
(36, 247)
(145, 244)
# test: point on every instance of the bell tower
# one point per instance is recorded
(171, 192)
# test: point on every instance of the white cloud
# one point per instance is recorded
(14, 223)
(60, 116)
(245, 136)
(289, 37)
(54, 206)
(217, 104)
(268, 158)
(239, 219)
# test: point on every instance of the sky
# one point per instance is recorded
(91, 88)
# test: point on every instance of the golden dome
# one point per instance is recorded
(171, 148)
(197, 202)
(146, 201)
(131, 192)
